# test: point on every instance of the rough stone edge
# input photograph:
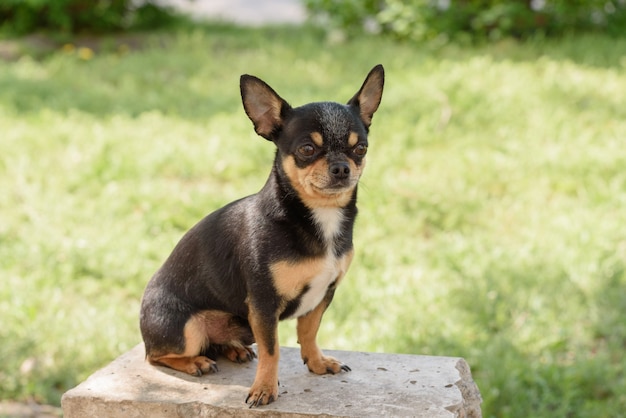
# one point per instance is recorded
(82, 406)
(470, 407)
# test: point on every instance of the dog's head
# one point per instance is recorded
(321, 145)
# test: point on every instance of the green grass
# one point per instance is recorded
(491, 226)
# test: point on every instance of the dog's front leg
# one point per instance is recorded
(308, 325)
(265, 329)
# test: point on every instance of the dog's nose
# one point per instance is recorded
(339, 170)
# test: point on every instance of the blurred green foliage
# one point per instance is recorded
(24, 16)
(474, 19)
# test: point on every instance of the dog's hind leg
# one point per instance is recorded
(228, 335)
(207, 333)
(189, 360)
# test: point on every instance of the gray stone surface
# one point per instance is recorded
(379, 385)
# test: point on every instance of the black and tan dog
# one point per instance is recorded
(275, 255)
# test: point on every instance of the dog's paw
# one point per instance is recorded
(200, 365)
(240, 354)
(326, 365)
(262, 393)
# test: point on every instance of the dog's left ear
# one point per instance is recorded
(263, 105)
(367, 99)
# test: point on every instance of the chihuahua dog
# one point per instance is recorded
(274, 255)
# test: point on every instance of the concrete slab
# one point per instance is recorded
(379, 385)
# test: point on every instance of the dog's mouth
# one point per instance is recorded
(334, 187)
(326, 192)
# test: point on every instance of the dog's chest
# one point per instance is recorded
(328, 221)
(315, 289)
(310, 279)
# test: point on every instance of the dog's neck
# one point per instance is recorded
(328, 224)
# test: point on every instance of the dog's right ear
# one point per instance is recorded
(263, 105)
(367, 99)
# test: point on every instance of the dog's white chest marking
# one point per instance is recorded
(328, 221)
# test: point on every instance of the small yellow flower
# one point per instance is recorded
(68, 48)
(85, 53)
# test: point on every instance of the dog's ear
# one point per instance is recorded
(367, 99)
(263, 105)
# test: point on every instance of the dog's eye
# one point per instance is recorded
(360, 150)
(306, 150)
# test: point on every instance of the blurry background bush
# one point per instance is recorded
(474, 19)
(24, 16)
(404, 19)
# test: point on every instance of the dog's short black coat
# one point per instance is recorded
(274, 255)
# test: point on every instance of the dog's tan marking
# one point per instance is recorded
(195, 334)
(290, 278)
(353, 139)
(317, 138)
(312, 181)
